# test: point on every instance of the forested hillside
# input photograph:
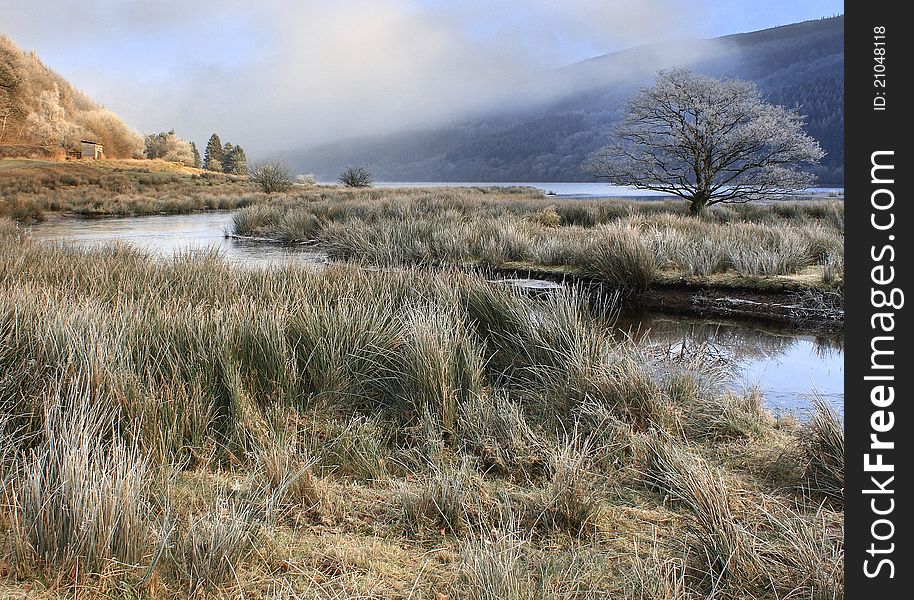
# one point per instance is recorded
(795, 65)
(41, 114)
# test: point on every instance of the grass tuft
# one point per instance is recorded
(822, 448)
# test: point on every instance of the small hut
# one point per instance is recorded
(92, 150)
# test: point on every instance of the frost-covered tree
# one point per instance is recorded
(212, 155)
(708, 141)
(273, 176)
(239, 161)
(168, 146)
(228, 158)
(48, 123)
(12, 100)
(105, 127)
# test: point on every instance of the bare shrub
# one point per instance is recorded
(271, 177)
(356, 177)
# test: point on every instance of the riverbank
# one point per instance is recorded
(388, 433)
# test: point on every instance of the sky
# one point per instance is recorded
(276, 74)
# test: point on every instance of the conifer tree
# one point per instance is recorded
(212, 156)
(228, 159)
(197, 161)
(239, 161)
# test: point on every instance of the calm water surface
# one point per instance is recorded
(581, 190)
(165, 235)
(787, 367)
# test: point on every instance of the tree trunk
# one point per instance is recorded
(697, 205)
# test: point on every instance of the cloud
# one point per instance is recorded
(280, 73)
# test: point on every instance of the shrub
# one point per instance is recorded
(356, 177)
(272, 176)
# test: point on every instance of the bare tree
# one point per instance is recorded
(272, 176)
(356, 177)
(707, 141)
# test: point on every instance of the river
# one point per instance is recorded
(787, 366)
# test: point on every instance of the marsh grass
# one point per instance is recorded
(81, 505)
(822, 449)
(806, 555)
(570, 501)
(504, 562)
(448, 501)
(178, 428)
(720, 546)
(214, 544)
(625, 244)
(654, 576)
(492, 567)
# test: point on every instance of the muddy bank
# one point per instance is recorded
(794, 308)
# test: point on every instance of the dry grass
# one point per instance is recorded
(32, 189)
(184, 428)
(823, 453)
(623, 243)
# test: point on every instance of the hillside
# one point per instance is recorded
(42, 115)
(800, 64)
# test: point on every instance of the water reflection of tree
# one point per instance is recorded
(735, 342)
(828, 346)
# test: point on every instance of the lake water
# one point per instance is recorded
(786, 366)
(582, 190)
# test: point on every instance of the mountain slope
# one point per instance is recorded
(42, 114)
(800, 64)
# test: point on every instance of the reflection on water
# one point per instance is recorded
(166, 234)
(786, 366)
